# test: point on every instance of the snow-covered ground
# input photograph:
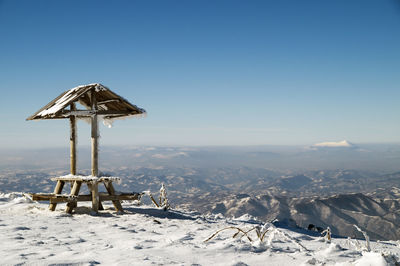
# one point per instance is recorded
(30, 234)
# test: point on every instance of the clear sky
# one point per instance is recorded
(207, 72)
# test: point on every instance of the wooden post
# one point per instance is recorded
(89, 185)
(95, 196)
(95, 135)
(72, 138)
(75, 192)
(57, 190)
(111, 191)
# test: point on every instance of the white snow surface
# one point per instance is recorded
(144, 235)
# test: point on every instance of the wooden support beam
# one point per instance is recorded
(95, 135)
(57, 190)
(73, 204)
(89, 185)
(72, 120)
(75, 192)
(89, 113)
(95, 196)
(111, 191)
(109, 101)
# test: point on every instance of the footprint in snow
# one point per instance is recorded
(186, 237)
(27, 254)
(107, 246)
(80, 240)
(21, 228)
(240, 264)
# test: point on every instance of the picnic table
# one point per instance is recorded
(95, 196)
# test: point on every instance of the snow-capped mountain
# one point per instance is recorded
(338, 144)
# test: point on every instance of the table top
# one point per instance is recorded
(86, 178)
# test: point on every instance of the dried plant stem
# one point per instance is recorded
(367, 245)
(263, 235)
(153, 200)
(231, 227)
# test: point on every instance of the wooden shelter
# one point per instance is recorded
(99, 101)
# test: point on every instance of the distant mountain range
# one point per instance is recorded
(332, 185)
(379, 217)
(335, 198)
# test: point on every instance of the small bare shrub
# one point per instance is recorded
(260, 235)
(367, 244)
(327, 233)
(163, 199)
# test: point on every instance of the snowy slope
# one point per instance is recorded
(380, 218)
(30, 234)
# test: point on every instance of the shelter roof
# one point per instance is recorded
(109, 104)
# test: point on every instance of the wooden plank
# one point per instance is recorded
(72, 139)
(74, 192)
(85, 178)
(95, 135)
(89, 113)
(57, 190)
(42, 196)
(125, 103)
(74, 96)
(110, 189)
(109, 101)
(32, 117)
(95, 196)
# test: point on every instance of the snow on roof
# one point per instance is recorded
(106, 99)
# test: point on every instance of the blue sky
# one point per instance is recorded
(207, 72)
